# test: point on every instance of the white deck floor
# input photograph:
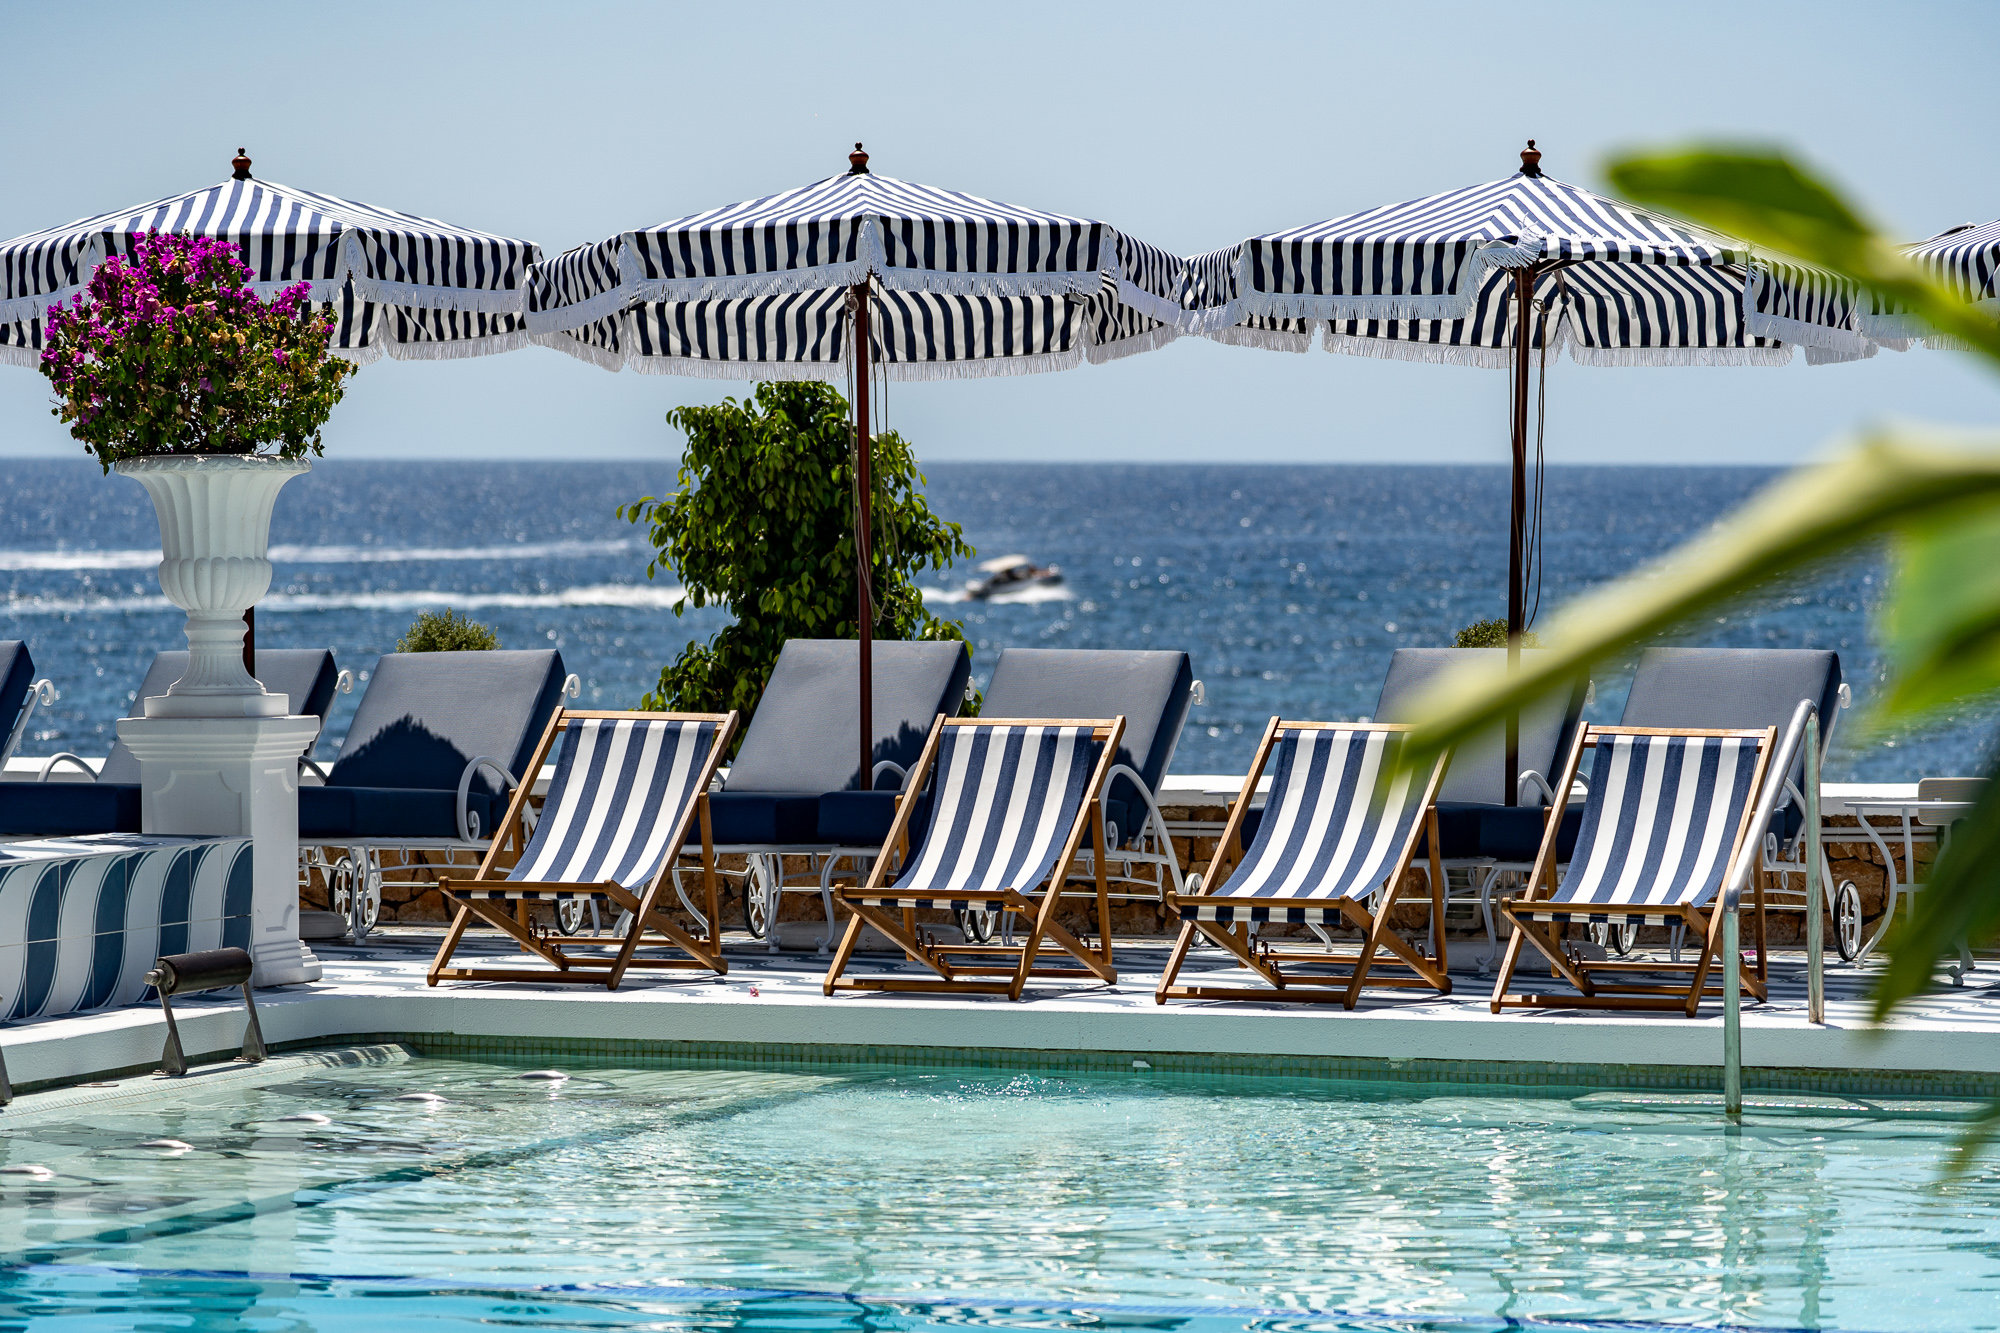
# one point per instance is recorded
(771, 1007)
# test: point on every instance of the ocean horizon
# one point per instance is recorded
(1288, 584)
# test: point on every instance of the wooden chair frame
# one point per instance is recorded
(645, 907)
(1040, 909)
(1318, 987)
(1706, 925)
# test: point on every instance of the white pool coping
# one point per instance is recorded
(767, 1002)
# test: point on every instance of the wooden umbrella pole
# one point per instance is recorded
(864, 525)
(1524, 288)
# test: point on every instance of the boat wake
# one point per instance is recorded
(327, 555)
(1035, 592)
(631, 596)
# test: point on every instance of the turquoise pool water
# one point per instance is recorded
(892, 1199)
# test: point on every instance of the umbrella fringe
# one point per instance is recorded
(559, 319)
(696, 368)
(601, 357)
(458, 349)
(1782, 328)
(1269, 340)
(1151, 304)
(1435, 354)
(1150, 341)
(11, 355)
(1615, 357)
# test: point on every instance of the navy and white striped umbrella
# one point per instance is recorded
(1966, 260)
(1433, 280)
(409, 286)
(960, 287)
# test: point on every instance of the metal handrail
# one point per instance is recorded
(1805, 718)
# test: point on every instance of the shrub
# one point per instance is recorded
(764, 522)
(174, 353)
(447, 631)
(1491, 634)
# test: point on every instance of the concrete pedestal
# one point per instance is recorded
(235, 777)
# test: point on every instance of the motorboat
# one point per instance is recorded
(1009, 573)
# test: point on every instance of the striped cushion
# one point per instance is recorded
(1006, 800)
(621, 784)
(1657, 830)
(1339, 814)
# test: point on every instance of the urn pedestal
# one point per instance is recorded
(218, 755)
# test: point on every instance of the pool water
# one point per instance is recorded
(327, 1198)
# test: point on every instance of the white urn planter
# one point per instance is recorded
(215, 543)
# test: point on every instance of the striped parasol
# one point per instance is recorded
(859, 275)
(412, 287)
(1436, 280)
(1447, 279)
(959, 287)
(1966, 260)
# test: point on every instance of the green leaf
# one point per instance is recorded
(1960, 902)
(1764, 198)
(1940, 625)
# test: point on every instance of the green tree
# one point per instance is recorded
(763, 522)
(447, 631)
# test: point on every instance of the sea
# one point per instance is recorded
(1289, 585)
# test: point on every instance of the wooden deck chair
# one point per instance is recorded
(1668, 811)
(1338, 832)
(627, 789)
(1009, 802)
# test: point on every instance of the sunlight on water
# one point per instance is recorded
(691, 1199)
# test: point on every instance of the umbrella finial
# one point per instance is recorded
(242, 165)
(857, 162)
(1531, 160)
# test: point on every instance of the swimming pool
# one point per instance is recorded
(468, 1194)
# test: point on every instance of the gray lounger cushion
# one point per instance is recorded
(1151, 689)
(802, 743)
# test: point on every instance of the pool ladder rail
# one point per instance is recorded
(190, 973)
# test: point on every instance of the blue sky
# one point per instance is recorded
(1189, 125)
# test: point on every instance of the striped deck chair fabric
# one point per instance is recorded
(1341, 810)
(1657, 829)
(620, 787)
(1006, 800)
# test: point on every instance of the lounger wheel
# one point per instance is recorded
(757, 896)
(1615, 937)
(1847, 921)
(362, 917)
(976, 924)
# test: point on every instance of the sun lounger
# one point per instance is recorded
(794, 786)
(627, 789)
(1341, 827)
(1756, 688)
(1152, 691)
(437, 742)
(20, 693)
(108, 800)
(1009, 803)
(1478, 828)
(1667, 814)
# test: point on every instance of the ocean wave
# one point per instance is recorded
(1034, 592)
(635, 596)
(326, 555)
